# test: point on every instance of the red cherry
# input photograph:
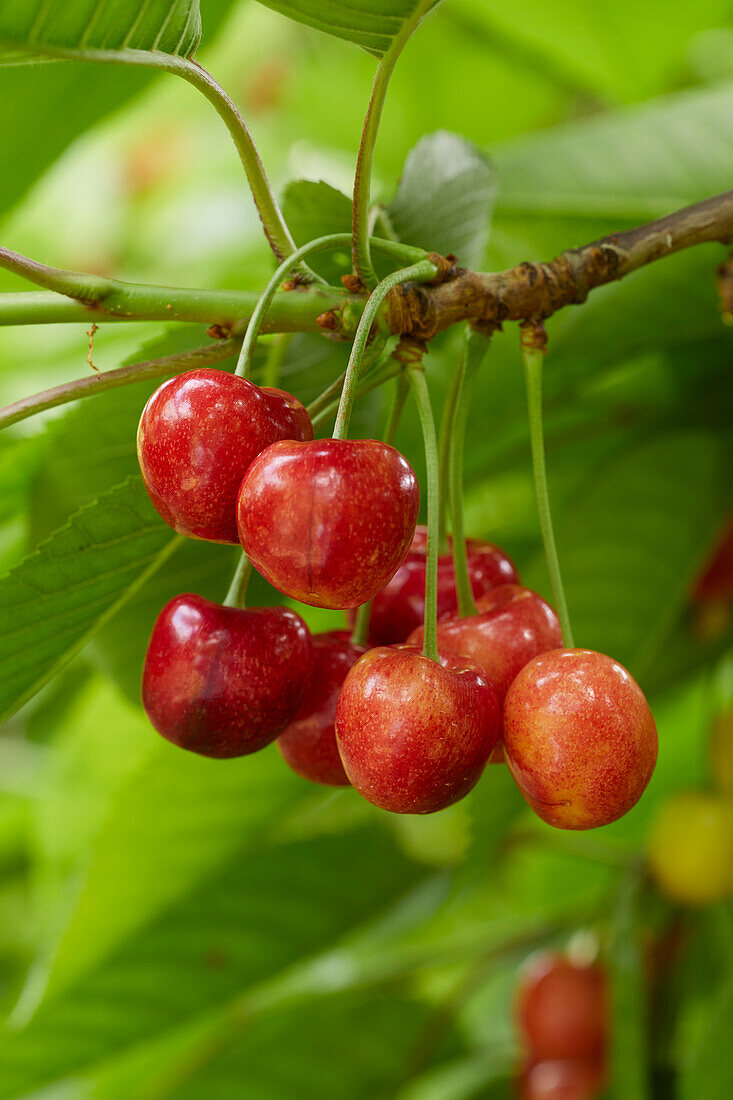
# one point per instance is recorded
(414, 734)
(224, 682)
(579, 738)
(328, 522)
(308, 744)
(198, 434)
(562, 1080)
(514, 624)
(562, 1008)
(400, 607)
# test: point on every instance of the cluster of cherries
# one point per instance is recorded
(332, 523)
(562, 1014)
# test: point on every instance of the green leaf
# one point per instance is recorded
(53, 601)
(166, 26)
(445, 198)
(230, 931)
(670, 152)
(377, 1029)
(632, 538)
(315, 209)
(629, 997)
(706, 1070)
(370, 23)
(46, 107)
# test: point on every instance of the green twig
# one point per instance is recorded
(475, 348)
(361, 253)
(422, 399)
(97, 297)
(419, 272)
(328, 243)
(93, 384)
(533, 355)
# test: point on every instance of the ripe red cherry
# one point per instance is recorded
(198, 434)
(414, 734)
(400, 607)
(308, 744)
(514, 624)
(579, 738)
(328, 522)
(567, 1080)
(224, 682)
(562, 1009)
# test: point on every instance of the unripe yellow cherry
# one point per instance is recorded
(690, 847)
(721, 752)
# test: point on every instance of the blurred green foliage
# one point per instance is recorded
(185, 928)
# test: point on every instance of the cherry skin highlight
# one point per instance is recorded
(562, 1009)
(415, 734)
(513, 625)
(308, 744)
(562, 1080)
(223, 682)
(400, 607)
(328, 522)
(579, 738)
(197, 436)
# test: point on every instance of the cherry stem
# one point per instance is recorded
(419, 272)
(320, 244)
(275, 359)
(236, 596)
(363, 616)
(424, 407)
(361, 254)
(446, 427)
(474, 349)
(533, 355)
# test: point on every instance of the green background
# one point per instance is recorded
(177, 927)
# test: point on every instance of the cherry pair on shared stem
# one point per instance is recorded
(326, 522)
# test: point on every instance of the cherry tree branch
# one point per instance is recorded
(88, 296)
(534, 291)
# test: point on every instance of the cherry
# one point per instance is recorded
(400, 607)
(224, 682)
(308, 744)
(414, 734)
(514, 624)
(328, 522)
(562, 1008)
(579, 738)
(690, 847)
(198, 434)
(562, 1080)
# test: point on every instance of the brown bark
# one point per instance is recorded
(534, 291)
